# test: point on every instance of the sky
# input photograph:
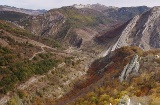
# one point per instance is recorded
(50, 4)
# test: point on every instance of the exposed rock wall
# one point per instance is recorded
(131, 67)
(125, 101)
(122, 41)
(143, 31)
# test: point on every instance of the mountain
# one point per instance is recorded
(130, 72)
(125, 13)
(69, 25)
(80, 56)
(21, 10)
(142, 31)
(125, 76)
(31, 66)
(77, 25)
(120, 14)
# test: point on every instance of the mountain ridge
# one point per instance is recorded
(140, 31)
(21, 10)
(117, 13)
(77, 56)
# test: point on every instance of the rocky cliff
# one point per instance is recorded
(142, 31)
(131, 67)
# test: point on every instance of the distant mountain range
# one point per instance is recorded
(21, 10)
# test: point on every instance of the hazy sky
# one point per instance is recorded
(49, 4)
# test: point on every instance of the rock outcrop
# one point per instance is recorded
(132, 67)
(123, 39)
(142, 31)
(145, 30)
(125, 100)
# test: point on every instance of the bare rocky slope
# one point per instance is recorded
(142, 31)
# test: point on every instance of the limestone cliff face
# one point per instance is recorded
(123, 39)
(132, 67)
(143, 31)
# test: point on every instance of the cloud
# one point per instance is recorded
(49, 4)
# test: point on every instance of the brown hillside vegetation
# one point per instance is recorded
(102, 85)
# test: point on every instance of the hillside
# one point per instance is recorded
(77, 25)
(126, 76)
(78, 55)
(16, 50)
(28, 67)
(122, 14)
(125, 13)
(72, 26)
(131, 73)
(11, 16)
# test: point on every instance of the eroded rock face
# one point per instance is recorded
(132, 67)
(125, 101)
(143, 31)
(123, 39)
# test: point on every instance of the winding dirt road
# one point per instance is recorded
(42, 47)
